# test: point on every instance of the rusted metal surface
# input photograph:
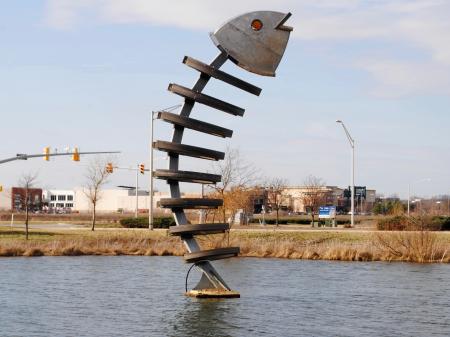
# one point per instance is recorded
(221, 75)
(187, 176)
(212, 102)
(188, 150)
(212, 254)
(195, 124)
(213, 293)
(199, 229)
(190, 203)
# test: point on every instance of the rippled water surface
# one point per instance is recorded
(143, 296)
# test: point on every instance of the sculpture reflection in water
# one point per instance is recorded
(196, 318)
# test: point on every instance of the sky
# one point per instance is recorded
(88, 73)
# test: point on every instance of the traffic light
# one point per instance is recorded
(109, 168)
(142, 168)
(47, 153)
(75, 155)
(1, 188)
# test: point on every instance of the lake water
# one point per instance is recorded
(143, 296)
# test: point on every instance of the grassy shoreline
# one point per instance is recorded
(312, 245)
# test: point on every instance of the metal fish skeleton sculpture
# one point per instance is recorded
(255, 41)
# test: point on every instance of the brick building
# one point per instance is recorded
(19, 198)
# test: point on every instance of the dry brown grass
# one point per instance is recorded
(318, 249)
(340, 246)
(417, 246)
(109, 243)
(416, 243)
(392, 246)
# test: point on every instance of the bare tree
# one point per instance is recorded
(237, 175)
(96, 177)
(275, 188)
(314, 194)
(26, 183)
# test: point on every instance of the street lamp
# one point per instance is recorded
(154, 115)
(352, 171)
(150, 194)
(448, 204)
(409, 191)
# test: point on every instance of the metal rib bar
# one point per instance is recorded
(212, 254)
(180, 217)
(195, 124)
(221, 75)
(199, 229)
(187, 176)
(206, 100)
(188, 150)
(190, 203)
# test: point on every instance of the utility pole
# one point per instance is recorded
(137, 195)
(448, 204)
(150, 193)
(352, 171)
(139, 169)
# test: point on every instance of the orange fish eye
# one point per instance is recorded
(257, 24)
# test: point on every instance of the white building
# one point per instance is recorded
(59, 199)
(121, 200)
(111, 200)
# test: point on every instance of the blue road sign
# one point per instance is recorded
(327, 212)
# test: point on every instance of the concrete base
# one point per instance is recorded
(213, 293)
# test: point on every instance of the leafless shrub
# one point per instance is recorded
(314, 195)
(416, 244)
(26, 182)
(96, 177)
(275, 188)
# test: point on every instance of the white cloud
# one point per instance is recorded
(64, 14)
(396, 78)
(199, 14)
(421, 24)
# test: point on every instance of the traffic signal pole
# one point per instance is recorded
(24, 156)
(140, 168)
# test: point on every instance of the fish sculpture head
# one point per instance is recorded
(255, 41)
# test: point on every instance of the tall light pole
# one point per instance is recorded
(154, 115)
(150, 193)
(409, 191)
(139, 168)
(448, 204)
(352, 172)
(137, 192)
